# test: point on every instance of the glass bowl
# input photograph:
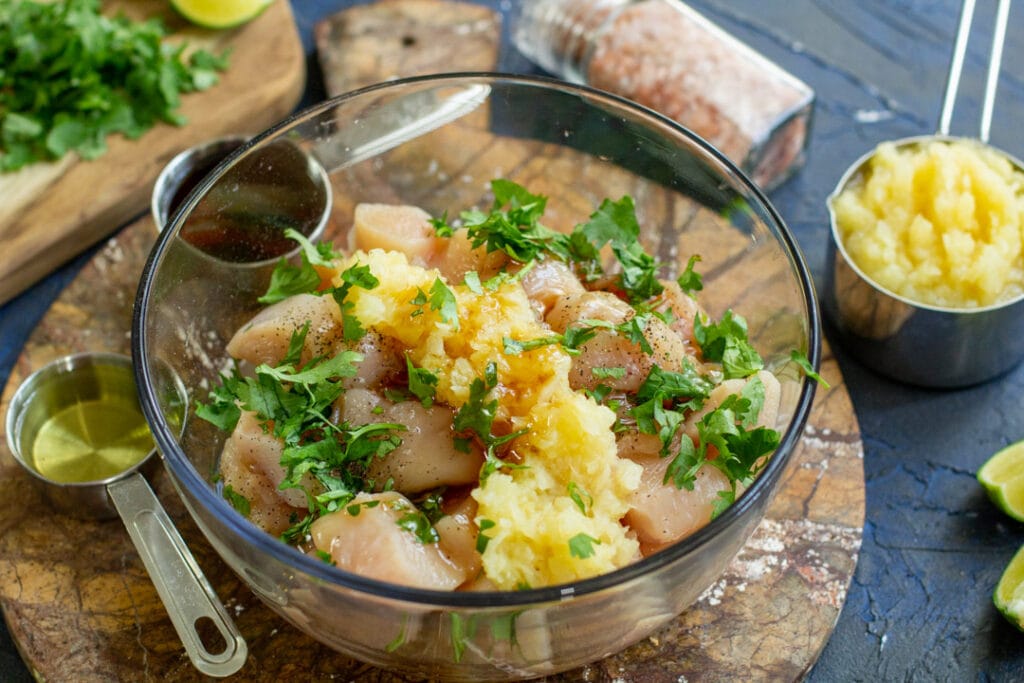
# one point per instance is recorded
(437, 142)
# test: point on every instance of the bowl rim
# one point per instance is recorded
(207, 496)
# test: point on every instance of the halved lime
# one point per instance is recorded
(1002, 476)
(220, 13)
(1009, 594)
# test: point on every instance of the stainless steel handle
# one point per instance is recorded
(180, 582)
(957, 63)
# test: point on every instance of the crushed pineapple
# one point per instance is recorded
(569, 447)
(939, 223)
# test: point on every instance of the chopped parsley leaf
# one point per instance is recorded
(579, 496)
(582, 546)
(805, 364)
(417, 524)
(422, 383)
(690, 280)
(237, 500)
(442, 300)
(483, 539)
(726, 342)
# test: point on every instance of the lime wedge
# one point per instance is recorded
(1009, 594)
(1002, 476)
(220, 13)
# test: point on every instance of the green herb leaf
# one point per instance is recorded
(583, 500)
(513, 347)
(70, 77)
(615, 223)
(288, 280)
(582, 546)
(726, 342)
(237, 500)
(442, 299)
(422, 383)
(609, 373)
(805, 364)
(512, 225)
(690, 280)
(483, 539)
(472, 281)
(417, 524)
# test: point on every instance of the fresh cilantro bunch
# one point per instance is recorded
(69, 77)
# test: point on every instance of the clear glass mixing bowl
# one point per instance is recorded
(436, 142)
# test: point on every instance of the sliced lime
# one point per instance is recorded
(1002, 476)
(1009, 594)
(219, 14)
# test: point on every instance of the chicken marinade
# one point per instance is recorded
(480, 404)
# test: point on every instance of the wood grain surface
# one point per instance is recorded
(388, 39)
(80, 606)
(54, 211)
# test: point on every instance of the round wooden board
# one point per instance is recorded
(80, 606)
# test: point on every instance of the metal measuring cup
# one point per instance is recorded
(184, 590)
(922, 344)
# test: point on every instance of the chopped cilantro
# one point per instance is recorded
(805, 364)
(740, 449)
(422, 383)
(417, 524)
(295, 405)
(472, 281)
(477, 414)
(483, 539)
(690, 280)
(419, 301)
(514, 347)
(608, 373)
(583, 500)
(70, 77)
(726, 342)
(288, 280)
(237, 500)
(511, 226)
(442, 300)
(477, 417)
(462, 632)
(582, 546)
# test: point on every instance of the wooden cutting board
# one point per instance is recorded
(51, 212)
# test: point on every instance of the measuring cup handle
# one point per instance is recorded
(185, 592)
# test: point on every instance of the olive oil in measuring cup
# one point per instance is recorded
(83, 422)
(92, 439)
(76, 426)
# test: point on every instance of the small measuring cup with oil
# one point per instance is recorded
(77, 427)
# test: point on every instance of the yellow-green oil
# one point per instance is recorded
(90, 440)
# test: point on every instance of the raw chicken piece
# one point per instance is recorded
(427, 457)
(251, 465)
(660, 512)
(768, 416)
(395, 227)
(265, 338)
(611, 349)
(549, 281)
(372, 544)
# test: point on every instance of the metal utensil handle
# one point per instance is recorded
(185, 592)
(957, 63)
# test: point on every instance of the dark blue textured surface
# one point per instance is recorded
(919, 608)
